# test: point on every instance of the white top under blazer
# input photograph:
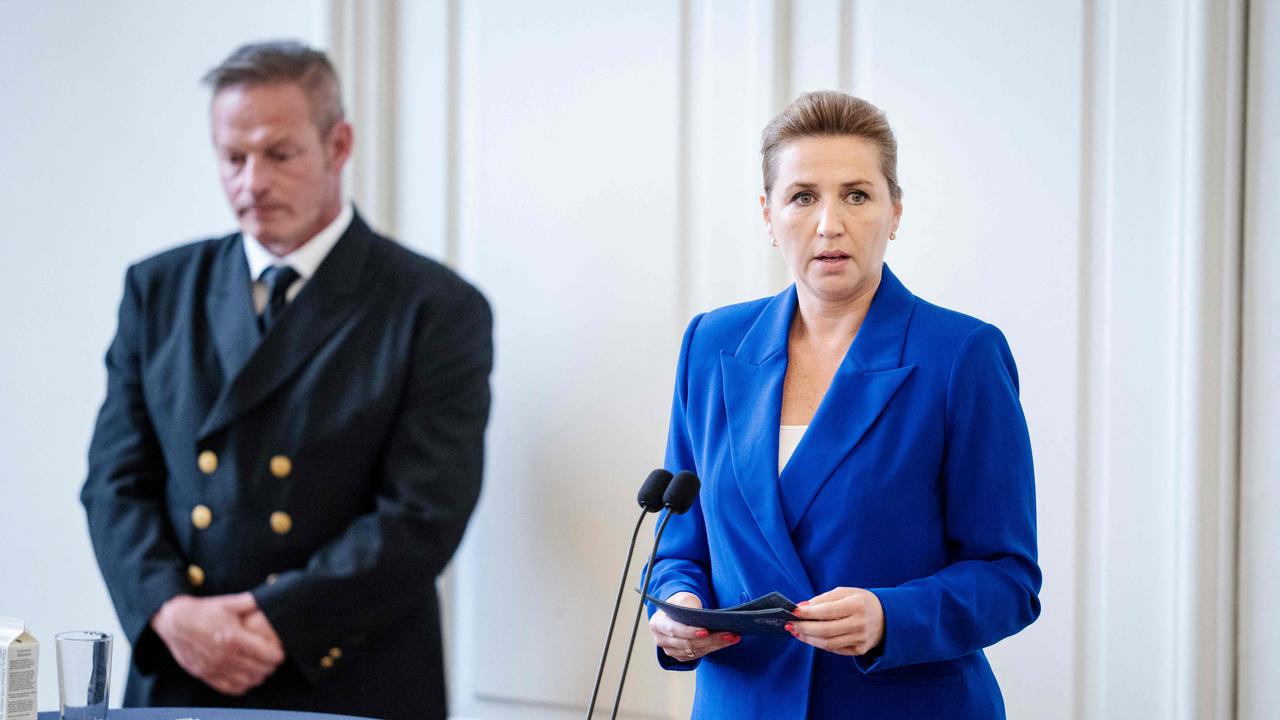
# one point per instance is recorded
(788, 438)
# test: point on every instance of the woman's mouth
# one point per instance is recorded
(831, 257)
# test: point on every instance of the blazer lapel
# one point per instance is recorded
(229, 311)
(752, 380)
(865, 382)
(311, 318)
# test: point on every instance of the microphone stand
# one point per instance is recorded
(644, 593)
(608, 638)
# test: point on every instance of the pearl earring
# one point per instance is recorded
(893, 236)
(775, 240)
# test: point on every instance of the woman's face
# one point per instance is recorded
(831, 213)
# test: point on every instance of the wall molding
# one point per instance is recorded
(364, 49)
(1258, 651)
(1157, 568)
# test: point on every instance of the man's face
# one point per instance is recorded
(282, 178)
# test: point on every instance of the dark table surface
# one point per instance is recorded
(207, 714)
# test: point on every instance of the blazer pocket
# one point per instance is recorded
(886, 677)
(938, 673)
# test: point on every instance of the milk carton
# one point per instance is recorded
(19, 653)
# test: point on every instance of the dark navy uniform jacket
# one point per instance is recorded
(329, 467)
(914, 481)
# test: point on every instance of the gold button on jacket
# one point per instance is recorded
(335, 653)
(201, 516)
(208, 462)
(281, 523)
(326, 662)
(281, 466)
(195, 575)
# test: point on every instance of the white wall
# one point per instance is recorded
(1072, 174)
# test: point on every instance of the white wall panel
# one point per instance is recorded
(1130, 428)
(363, 48)
(1259, 630)
(1158, 529)
(425, 88)
(735, 78)
(568, 189)
(818, 39)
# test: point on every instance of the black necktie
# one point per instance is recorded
(277, 278)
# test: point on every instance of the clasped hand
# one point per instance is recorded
(225, 640)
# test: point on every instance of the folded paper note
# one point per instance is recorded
(766, 615)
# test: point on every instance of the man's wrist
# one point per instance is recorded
(160, 621)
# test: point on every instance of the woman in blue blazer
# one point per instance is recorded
(860, 449)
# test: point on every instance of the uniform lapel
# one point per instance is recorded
(315, 314)
(753, 378)
(865, 382)
(229, 311)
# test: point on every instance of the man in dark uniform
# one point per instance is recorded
(292, 438)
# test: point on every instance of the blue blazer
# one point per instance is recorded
(914, 481)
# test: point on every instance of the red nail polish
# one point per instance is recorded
(727, 637)
(789, 628)
(701, 633)
(802, 603)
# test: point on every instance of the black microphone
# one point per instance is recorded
(678, 498)
(654, 490)
(650, 499)
(680, 494)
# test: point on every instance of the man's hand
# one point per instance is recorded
(258, 624)
(223, 640)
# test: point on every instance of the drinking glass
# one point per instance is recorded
(84, 674)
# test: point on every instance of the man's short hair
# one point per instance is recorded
(284, 61)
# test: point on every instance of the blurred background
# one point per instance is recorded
(1098, 178)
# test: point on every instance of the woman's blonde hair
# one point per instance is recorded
(831, 113)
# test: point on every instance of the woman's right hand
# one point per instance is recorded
(683, 642)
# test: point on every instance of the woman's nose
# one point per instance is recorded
(829, 222)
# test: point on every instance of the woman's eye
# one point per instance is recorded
(803, 198)
(857, 197)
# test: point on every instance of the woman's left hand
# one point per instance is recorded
(846, 621)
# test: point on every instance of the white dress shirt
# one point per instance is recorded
(305, 260)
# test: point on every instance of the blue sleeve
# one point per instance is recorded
(682, 563)
(990, 590)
